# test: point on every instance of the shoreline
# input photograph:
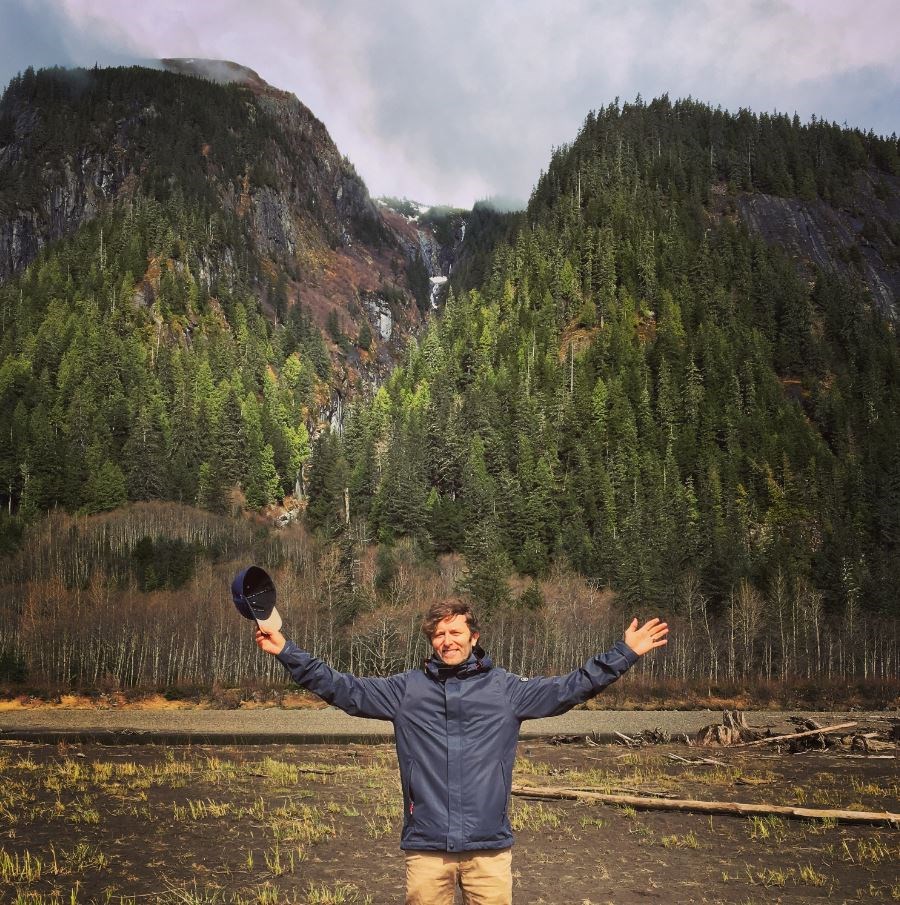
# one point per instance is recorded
(273, 725)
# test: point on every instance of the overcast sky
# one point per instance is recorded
(449, 102)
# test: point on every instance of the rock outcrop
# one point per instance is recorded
(851, 239)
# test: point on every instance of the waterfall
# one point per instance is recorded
(436, 283)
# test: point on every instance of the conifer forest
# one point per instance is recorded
(628, 403)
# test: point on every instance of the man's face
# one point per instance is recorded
(452, 640)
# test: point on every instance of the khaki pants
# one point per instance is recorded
(484, 877)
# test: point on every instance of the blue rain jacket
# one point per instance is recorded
(456, 730)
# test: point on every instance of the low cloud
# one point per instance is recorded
(42, 33)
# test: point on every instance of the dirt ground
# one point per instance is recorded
(320, 825)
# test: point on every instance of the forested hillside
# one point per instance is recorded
(646, 393)
(108, 399)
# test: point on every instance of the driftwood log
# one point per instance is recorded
(707, 807)
(783, 738)
(867, 742)
(655, 736)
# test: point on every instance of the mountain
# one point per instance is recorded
(829, 196)
(76, 141)
(189, 214)
(656, 382)
(76, 144)
(648, 373)
(673, 381)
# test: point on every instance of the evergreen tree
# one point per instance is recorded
(210, 491)
(105, 489)
(260, 479)
(328, 480)
(145, 454)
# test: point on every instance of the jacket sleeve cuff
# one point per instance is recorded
(284, 656)
(630, 656)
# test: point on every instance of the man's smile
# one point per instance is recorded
(453, 640)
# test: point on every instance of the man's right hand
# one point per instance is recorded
(651, 634)
(271, 643)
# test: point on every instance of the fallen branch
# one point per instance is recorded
(783, 738)
(624, 789)
(300, 770)
(697, 760)
(707, 807)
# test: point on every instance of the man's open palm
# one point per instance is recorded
(651, 634)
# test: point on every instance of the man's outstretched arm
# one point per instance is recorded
(374, 698)
(543, 697)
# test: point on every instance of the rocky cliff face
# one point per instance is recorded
(311, 181)
(858, 239)
(71, 195)
(430, 236)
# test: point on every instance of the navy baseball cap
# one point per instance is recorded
(253, 592)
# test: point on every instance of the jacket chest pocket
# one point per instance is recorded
(410, 793)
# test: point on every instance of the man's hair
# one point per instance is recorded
(450, 606)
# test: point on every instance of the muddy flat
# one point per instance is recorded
(85, 823)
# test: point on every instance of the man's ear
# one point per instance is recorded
(475, 637)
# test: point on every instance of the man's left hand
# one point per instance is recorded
(651, 634)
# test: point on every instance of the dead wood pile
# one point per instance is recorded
(734, 731)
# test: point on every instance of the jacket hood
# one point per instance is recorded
(478, 662)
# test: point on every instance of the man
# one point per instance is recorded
(456, 723)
